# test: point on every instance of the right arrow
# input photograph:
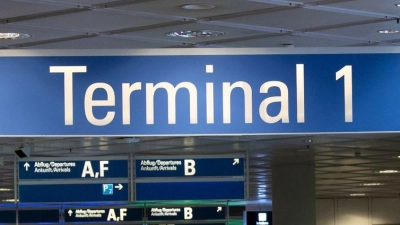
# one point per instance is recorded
(119, 187)
(235, 161)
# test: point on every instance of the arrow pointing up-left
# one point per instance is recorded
(26, 165)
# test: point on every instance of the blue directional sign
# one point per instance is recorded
(189, 167)
(118, 214)
(186, 213)
(72, 169)
(91, 192)
(190, 190)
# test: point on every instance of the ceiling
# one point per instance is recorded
(344, 162)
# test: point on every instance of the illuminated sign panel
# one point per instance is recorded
(73, 179)
(222, 177)
(72, 169)
(103, 215)
(189, 167)
(91, 192)
(186, 213)
(257, 218)
(190, 190)
(198, 93)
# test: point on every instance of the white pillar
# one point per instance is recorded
(293, 194)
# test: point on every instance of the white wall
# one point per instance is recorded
(358, 211)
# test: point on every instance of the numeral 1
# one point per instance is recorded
(346, 73)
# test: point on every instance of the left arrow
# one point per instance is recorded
(119, 187)
(26, 165)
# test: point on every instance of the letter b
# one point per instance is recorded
(189, 167)
(188, 213)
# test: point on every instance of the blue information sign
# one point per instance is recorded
(73, 192)
(70, 169)
(190, 167)
(190, 190)
(231, 91)
(186, 213)
(103, 215)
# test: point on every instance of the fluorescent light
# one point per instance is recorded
(388, 171)
(198, 6)
(357, 194)
(9, 200)
(14, 36)
(398, 4)
(371, 184)
(195, 33)
(388, 31)
(6, 189)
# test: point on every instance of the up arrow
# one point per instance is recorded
(26, 165)
(70, 212)
(119, 187)
(235, 161)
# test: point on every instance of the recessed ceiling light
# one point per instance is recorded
(371, 184)
(357, 194)
(388, 171)
(14, 36)
(197, 6)
(9, 200)
(195, 33)
(6, 189)
(388, 31)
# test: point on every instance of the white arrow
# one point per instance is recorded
(219, 209)
(26, 165)
(235, 161)
(119, 187)
(70, 212)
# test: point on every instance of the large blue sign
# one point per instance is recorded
(69, 169)
(190, 190)
(74, 192)
(227, 92)
(189, 167)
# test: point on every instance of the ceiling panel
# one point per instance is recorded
(91, 21)
(15, 8)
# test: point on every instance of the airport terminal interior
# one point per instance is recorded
(356, 178)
